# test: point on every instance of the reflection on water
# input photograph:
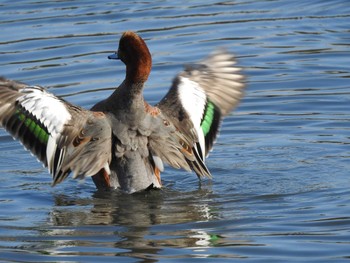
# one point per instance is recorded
(138, 224)
(143, 209)
(280, 167)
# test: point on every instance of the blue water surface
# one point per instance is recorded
(280, 187)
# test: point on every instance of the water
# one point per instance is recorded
(280, 190)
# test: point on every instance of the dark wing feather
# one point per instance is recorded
(199, 98)
(62, 136)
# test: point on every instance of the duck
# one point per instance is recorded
(123, 142)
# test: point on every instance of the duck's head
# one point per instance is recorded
(134, 52)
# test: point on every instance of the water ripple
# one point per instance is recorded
(279, 191)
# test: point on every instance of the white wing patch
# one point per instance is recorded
(193, 99)
(50, 111)
(47, 108)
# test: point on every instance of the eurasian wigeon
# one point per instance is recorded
(123, 141)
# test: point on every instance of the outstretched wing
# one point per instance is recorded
(65, 138)
(199, 98)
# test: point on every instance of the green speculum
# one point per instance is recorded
(208, 118)
(35, 127)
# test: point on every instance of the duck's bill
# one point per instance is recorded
(113, 56)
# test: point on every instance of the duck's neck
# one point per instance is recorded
(137, 73)
(129, 95)
(130, 91)
(132, 87)
(133, 84)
